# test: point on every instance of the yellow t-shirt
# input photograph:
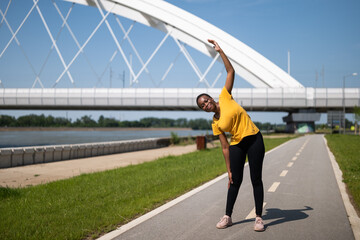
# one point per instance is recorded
(233, 119)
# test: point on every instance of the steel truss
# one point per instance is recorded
(260, 72)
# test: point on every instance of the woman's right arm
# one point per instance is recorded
(225, 149)
(229, 68)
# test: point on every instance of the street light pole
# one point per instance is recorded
(353, 74)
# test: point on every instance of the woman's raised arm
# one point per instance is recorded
(229, 68)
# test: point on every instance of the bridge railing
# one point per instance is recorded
(261, 99)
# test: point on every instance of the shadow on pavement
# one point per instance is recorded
(280, 216)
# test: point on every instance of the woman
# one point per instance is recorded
(246, 139)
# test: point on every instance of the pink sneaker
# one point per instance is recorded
(225, 222)
(259, 225)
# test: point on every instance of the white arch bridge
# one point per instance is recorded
(275, 90)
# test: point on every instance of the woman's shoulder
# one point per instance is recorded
(225, 94)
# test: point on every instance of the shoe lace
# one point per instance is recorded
(223, 219)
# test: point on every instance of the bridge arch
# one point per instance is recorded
(194, 31)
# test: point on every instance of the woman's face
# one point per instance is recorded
(207, 103)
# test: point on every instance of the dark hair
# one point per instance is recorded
(203, 94)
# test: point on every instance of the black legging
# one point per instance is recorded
(253, 146)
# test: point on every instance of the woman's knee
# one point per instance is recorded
(237, 182)
(256, 180)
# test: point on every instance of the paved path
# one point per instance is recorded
(302, 198)
(47, 172)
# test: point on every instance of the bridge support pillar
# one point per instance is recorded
(302, 121)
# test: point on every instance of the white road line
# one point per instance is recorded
(252, 214)
(160, 209)
(283, 173)
(294, 158)
(297, 154)
(290, 164)
(274, 186)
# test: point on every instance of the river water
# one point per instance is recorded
(42, 138)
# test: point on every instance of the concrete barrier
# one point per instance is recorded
(111, 148)
(94, 149)
(122, 146)
(29, 155)
(88, 150)
(5, 157)
(106, 149)
(39, 155)
(58, 153)
(12, 157)
(81, 151)
(49, 154)
(117, 147)
(17, 158)
(101, 149)
(74, 151)
(66, 151)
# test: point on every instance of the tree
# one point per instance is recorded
(7, 121)
(181, 122)
(111, 122)
(101, 121)
(200, 124)
(85, 121)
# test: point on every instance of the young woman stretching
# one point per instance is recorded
(246, 139)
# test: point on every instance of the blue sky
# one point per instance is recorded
(320, 34)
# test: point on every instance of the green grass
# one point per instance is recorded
(92, 204)
(346, 149)
(270, 143)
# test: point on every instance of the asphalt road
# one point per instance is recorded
(302, 199)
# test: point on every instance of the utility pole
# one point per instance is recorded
(110, 76)
(322, 76)
(123, 79)
(130, 66)
(289, 62)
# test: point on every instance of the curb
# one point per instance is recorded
(352, 215)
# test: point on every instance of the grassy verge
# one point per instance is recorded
(346, 149)
(91, 204)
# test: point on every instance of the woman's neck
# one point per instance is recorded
(217, 111)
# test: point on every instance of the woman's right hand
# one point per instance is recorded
(216, 45)
(230, 180)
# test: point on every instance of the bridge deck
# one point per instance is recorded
(252, 99)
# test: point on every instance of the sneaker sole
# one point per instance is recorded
(259, 230)
(223, 227)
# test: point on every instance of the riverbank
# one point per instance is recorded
(26, 129)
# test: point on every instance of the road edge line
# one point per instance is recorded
(350, 210)
(117, 232)
(160, 209)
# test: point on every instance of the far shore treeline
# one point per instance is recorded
(33, 120)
